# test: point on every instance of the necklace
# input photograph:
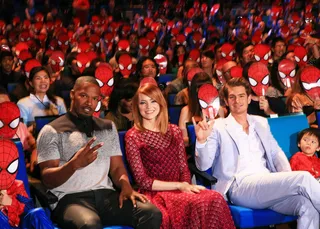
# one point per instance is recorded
(46, 107)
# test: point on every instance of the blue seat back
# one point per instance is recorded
(11, 87)
(122, 134)
(164, 79)
(22, 171)
(171, 98)
(41, 121)
(285, 130)
(174, 113)
(318, 117)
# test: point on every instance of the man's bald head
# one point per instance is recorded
(84, 79)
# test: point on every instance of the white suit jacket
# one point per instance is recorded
(221, 151)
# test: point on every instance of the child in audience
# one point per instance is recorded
(306, 160)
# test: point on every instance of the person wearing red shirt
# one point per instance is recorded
(306, 160)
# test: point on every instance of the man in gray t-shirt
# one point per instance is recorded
(77, 169)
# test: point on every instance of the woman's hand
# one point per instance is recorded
(190, 188)
(203, 128)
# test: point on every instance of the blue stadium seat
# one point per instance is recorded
(11, 87)
(122, 134)
(171, 98)
(22, 171)
(166, 78)
(41, 121)
(318, 117)
(284, 130)
(174, 113)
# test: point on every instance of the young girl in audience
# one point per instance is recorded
(306, 160)
(156, 155)
(40, 102)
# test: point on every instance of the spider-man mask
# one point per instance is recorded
(63, 42)
(9, 161)
(155, 27)
(214, 9)
(125, 31)
(56, 61)
(204, 8)
(287, 72)
(20, 47)
(9, 119)
(181, 40)
(95, 41)
(162, 62)
(83, 62)
(151, 36)
(25, 36)
(84, 47)
(108, 40)
(227, 51)
(191, 73)
(24, 55)
(262, 53)
(147, 22)
(300, 55)
(220, 63)
(236, 72)
(125, 65)
(310, 79)
(30, 64)
(209, 100)
(195, 55)
(104, 77)
(197, 39)
(144, 46)
(258, 75)
(39, 17)
(124, 45)
(275, 12)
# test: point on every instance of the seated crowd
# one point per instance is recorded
(228, 69)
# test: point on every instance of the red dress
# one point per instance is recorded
(153, 156)
(302, 162)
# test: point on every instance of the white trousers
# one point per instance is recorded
(290, 193)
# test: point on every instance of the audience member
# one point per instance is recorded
(230, 145)
(120, 104)
(156, 155)
(40, 102)
(306, 160)
(76, 153)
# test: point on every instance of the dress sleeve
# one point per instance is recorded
(184, 170)
(135, 162)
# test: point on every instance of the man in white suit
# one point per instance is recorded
(250, 166)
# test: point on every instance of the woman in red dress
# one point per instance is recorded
(156, 155)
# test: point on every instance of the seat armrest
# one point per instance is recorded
(201, 175)
(44, 196)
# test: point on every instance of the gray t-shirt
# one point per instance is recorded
(61, 139)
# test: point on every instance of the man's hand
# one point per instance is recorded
(128, 193)
(5, 199)
(190, 188)
(86, 155)
(203, 128)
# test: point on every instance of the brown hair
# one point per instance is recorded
(153, 92)
(236, 82)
